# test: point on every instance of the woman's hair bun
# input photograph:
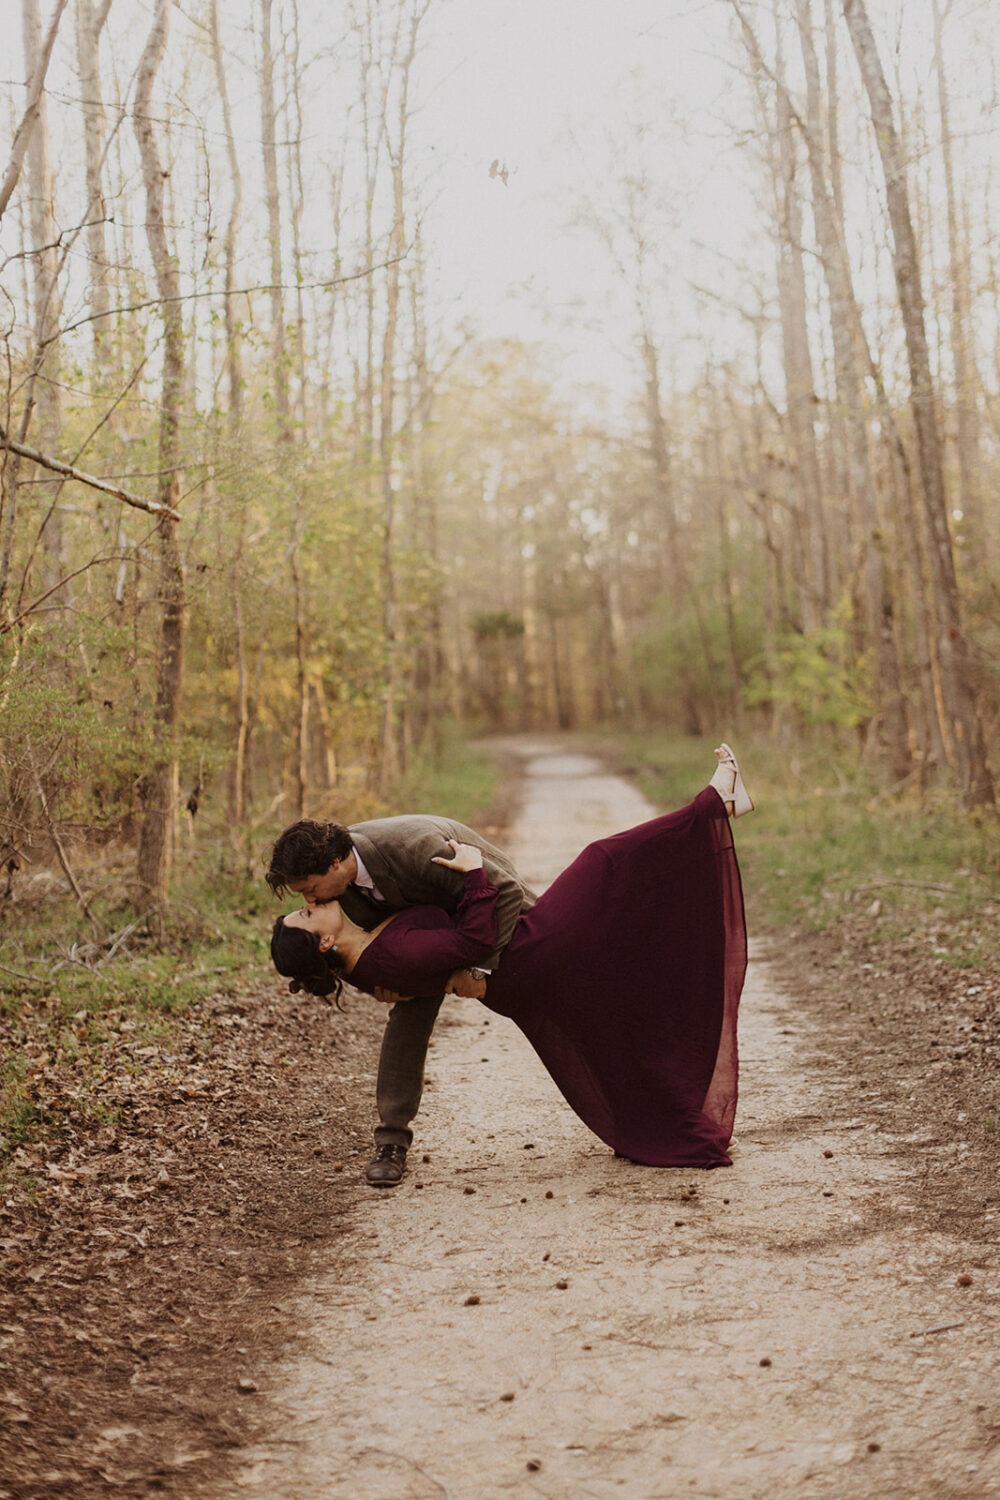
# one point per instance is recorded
(320, 986)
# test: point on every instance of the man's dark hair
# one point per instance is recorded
(306, 848)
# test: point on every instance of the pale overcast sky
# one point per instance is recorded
(543, 86)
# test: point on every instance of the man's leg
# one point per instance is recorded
(400, 1084)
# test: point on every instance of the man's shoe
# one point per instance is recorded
(387, 1166)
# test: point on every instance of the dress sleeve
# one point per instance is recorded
(412, 959)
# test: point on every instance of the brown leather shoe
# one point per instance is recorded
(387, 1166)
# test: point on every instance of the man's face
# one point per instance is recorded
(316, 889)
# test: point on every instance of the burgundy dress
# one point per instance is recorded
(625, 976)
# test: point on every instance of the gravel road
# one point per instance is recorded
(527, 1316)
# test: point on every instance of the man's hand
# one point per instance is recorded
(389, 997)
(469, 983)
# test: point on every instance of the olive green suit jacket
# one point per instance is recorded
(397, 854)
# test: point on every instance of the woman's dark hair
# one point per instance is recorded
(296, 954)
(306, 848)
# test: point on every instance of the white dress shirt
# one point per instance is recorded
(364, 881)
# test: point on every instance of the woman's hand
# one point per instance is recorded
(464, 857)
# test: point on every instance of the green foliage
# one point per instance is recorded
(682, 657)
(670, 768)
(459, 780)
(79, 1005)
(825, 842)
(19, 1113)
(813, 675)
(497, 622)
(69, 719)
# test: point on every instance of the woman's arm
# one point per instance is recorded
(420, 879)
(510, 897)
(414, 959)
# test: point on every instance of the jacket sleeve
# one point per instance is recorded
(412, 959)
(509, 896)
(510, 903)
(420, 880)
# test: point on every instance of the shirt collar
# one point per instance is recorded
(362, 878)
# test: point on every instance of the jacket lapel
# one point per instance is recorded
(379, 871)
(361, 908)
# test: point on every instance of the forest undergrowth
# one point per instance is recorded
(181, 1135)
(175, 1129)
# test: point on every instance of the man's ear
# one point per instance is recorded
(326, 942)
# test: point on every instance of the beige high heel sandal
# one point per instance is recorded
(729, 783)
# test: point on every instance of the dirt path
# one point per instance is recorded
(526, 1315)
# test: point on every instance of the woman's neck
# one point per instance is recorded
(353, 940)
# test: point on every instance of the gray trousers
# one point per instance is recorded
(401, 1067)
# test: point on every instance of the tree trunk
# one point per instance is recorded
(29, 120)
(800, 385)
(890, 726)
(715, 467)
(297, 198)
(159, 786)
(430, 667)
(386, 444)
(670, 551)
(234, 352)
(301, 767)
(45, 268)
(392, 698)
(90, 20)
(325, 750)
(372, 135)
(965, 739)
(966, 379)
(239, 789)
(269, 131)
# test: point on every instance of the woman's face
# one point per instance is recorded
(324, 922)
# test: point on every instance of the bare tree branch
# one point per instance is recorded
(19, 145)
(53, 833)
(69, 472)
(36, 604)
(242, 291)
(57, 244)
(26, 572)
(41, 981)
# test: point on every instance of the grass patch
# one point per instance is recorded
(828, 844)
(80, 1000)
(461, 782)
(826, 848)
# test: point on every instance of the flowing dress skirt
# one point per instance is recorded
(626, 977)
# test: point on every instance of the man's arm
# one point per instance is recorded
(408, 846)
(513, 895)
(470, 984)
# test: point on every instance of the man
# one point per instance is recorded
(372, 869)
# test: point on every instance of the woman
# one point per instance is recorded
(625, 975)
